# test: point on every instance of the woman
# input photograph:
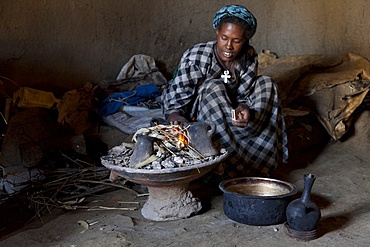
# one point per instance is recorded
(216, 77)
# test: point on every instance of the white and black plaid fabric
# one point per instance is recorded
(198, 92)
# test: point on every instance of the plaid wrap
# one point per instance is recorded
(198, 92)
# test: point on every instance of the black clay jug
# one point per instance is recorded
(302, 214)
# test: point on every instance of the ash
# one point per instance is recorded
(120, 156)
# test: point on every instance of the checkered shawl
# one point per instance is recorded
(198, 92)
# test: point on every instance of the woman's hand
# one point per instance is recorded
(242, 116)
(176, 118)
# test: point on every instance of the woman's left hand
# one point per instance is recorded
(242, 113)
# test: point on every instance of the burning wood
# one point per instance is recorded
(171, 148)
(173, 137)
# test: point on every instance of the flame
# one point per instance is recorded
(183, 141)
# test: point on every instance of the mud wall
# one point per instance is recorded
(59, 45)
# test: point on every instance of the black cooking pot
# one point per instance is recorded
(257, 201)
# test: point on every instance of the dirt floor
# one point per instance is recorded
(341, 190)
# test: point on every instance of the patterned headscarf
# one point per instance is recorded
(237, 11)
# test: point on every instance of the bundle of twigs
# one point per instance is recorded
(66, 188)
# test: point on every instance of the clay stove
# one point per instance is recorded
(169, 196)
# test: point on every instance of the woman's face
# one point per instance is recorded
(230, 41)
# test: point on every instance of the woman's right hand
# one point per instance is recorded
(177, 119)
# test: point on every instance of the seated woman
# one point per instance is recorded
(216, 77)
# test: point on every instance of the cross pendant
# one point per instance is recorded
(226, 76)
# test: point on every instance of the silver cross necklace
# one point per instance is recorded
(226, 76)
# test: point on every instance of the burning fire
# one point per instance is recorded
(183, 141)
(169, 136)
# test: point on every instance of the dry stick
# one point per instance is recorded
(142, 195)
(169, 150)
(42, 203)
(84, 162)
(128, 202)
(200, 155)
(92, 208)
(110, 208)
(4, 119)
(191, 147)
(73, 179)
(74, 174)
(147, 161)
(55, 182)
(95, 190)
(92, 191)
(89, 208)
(108, 184)
(55, 204)
(2, 83)
(65, 183)
(37, 211)
(73, 170)
(70, 159)
(50, 199)
(183, 133)
(6, 78)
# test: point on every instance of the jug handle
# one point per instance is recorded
(212, 128)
